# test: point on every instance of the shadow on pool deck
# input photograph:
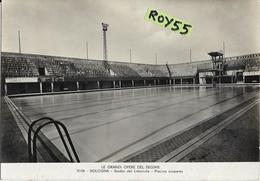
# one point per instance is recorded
(13, 144)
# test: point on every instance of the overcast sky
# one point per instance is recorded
(62, 27)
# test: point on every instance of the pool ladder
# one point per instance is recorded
(32, 141)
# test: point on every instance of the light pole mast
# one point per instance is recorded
(224, 49)
(190, 55)
(19, 41)
(104, 26)
(87, 49)
(130, 55)
(156, 58)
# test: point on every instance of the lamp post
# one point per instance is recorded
(19, 41)
(130, 55)
(87, 49)
(104, 28)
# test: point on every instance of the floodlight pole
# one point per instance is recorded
(87, 49)
(130, 55)
(104, 28)
(223, 49)
(19, 41)
(190, 55)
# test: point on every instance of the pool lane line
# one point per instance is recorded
(134, 115)
(118, 101)
(96, 112)
(107, 101)
(95, 100)
(74, 94)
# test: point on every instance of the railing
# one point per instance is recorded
(169, 71)
(32, 152)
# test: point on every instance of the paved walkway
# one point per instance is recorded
(237, 142)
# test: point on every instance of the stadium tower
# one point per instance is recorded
(217, 67)
(104, 26)
(106, 64)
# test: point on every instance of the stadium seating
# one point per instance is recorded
(90, 69)
(159, 70)
(146, 70)
(204, 65)
(141, 69)
(247, 63)
(123, 70)
(183, 70)
(18, 67)
(29, 65)
(53, 68)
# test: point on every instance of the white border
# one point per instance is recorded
(180, 171)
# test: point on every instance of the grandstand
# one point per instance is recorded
(18, 67)
(53, 74)
(183, 73)
(123, 70)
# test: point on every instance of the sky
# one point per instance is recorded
(62, 28)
